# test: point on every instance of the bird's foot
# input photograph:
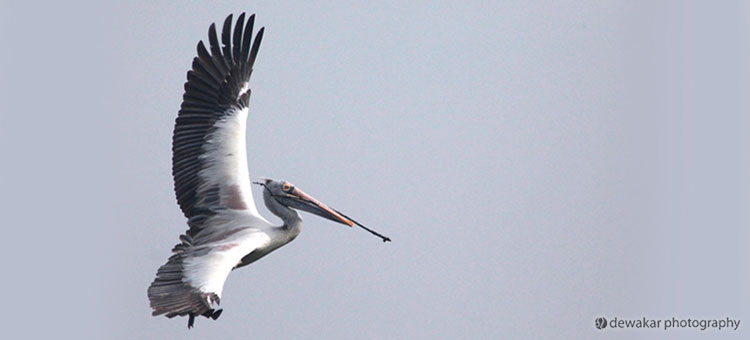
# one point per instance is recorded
(191, 320)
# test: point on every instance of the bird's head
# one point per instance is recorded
(288, 195)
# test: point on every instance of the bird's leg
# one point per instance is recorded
(191, 320)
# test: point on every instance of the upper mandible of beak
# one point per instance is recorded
(302, 195)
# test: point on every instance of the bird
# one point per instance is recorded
(212, 181)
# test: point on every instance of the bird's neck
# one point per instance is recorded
(292, 222)
(291, 218)
(292, 225)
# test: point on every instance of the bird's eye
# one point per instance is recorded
(286, 187)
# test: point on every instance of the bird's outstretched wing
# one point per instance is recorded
(211, 178)
(192, 280)
(209, 159)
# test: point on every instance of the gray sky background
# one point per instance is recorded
(537, 165)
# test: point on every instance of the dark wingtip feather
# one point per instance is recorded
(247, 37)
(213, 40)
(256, 46)
(212, 33)
(226, 39)
(201, 47)
(218, 59)
(238, 38)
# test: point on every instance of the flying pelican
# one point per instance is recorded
(212, 182)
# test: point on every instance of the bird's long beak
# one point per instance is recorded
(308, 203)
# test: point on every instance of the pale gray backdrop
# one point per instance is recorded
(537, 165)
